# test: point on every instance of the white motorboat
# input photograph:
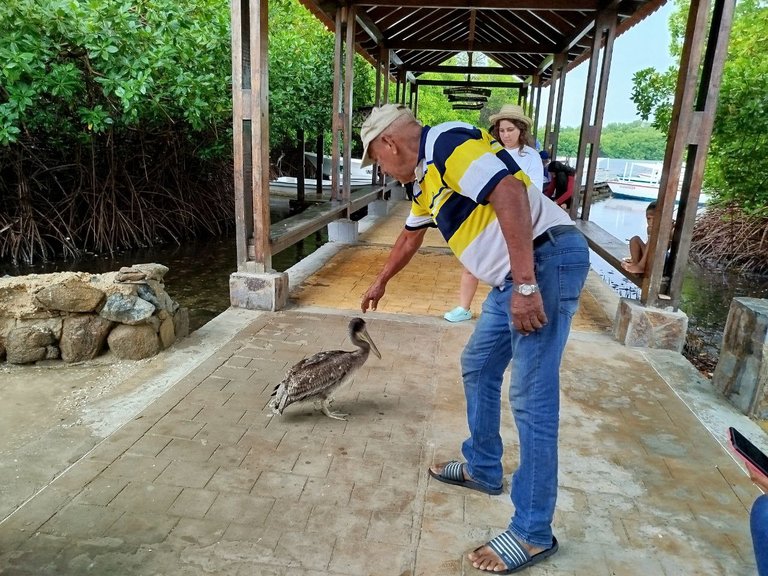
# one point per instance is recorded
(290, 183)
(358, 175)
(641, 180)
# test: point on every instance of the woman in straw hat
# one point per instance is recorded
(512, 128)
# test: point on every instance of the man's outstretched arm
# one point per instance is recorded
(510, 201)
(406, 245)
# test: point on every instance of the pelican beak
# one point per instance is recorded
(365, 336)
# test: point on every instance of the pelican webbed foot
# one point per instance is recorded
(325, 406)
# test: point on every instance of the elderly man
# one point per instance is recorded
(510, 236)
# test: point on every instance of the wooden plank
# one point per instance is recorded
(289, 231)
(608, 247)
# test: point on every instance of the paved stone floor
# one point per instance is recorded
(205, 480)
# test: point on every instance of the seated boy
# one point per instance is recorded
(638, 249)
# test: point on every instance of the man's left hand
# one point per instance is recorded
(527, 312)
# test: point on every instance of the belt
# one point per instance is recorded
(552, 233)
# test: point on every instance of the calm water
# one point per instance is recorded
(198, 275)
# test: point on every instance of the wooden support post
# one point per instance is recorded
(320, 159)
(336, 123)
(387, 61)
(536, 111)
(556, 85)
(693, 114)
(300, 191)
(522, 98)
(592, 121)
(349, 75)
(561, 61)
(250, 90)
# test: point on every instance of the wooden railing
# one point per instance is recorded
(295, 228)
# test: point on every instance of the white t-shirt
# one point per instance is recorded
(529, 162)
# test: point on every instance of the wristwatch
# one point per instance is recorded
(527, 289)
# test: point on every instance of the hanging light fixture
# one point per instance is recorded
(467, 90)
(468, 106)
(466, 98)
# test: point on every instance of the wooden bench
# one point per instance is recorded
(608, 247)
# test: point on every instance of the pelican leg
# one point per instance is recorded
(325, 407)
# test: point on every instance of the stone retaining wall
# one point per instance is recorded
(76, 316)
(742, 369)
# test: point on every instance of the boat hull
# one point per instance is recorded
(643, 192)
(633, 191)
(357, 172)
(291, 183)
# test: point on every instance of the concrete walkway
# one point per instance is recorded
(202, 479)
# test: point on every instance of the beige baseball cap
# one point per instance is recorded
(378, 121)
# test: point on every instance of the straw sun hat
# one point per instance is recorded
(510, 112)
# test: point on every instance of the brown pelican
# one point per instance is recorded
(315, 378)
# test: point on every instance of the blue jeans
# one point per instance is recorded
(758, 520)
(561, 267)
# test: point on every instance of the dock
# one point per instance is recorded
(185, 471)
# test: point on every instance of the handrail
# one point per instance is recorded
(297, 227)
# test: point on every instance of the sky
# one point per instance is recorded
(643, 46)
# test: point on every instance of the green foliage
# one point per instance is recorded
(75, 68)
(652, 93)
(740, 133)
(637, 140)
(301, 74)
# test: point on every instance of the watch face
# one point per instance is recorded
(525, 289)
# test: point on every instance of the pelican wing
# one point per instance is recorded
(314, 360)
(316, 377)
(317, 374)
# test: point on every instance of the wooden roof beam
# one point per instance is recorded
(463, 46)
(475, 83)
(559, 5)
(368, 26)
(471, 41)
(440, 68)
